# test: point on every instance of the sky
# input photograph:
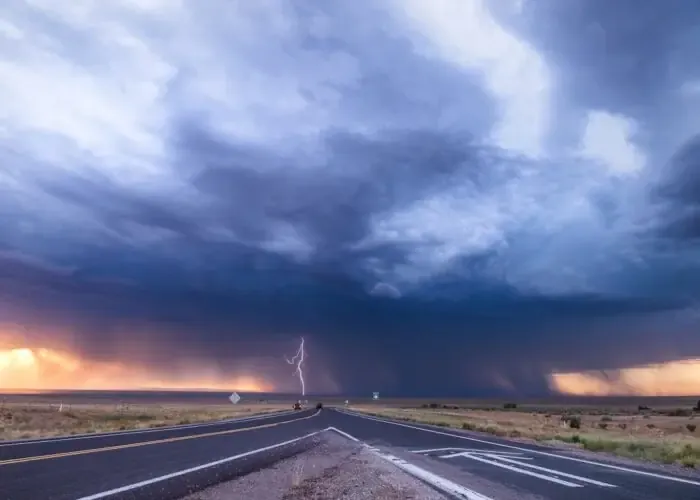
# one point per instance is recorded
(455, 197)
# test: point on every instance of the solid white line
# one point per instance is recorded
(344, 434)
(438, 449)
(552, 471)
(514, 469)
(170, 428)
(140, 484)
(473, 450)
(562, 457)
(438, 482)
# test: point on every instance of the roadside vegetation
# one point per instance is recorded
(24, 421)
(665, 435)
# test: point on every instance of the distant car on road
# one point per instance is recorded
(319, 406)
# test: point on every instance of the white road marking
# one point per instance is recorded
(554, 455)
(552, 471)
(58, 439)
(165, 477)
(510, 457)
(514, 469)
(479, 450)
(438, 482)
(344, 434)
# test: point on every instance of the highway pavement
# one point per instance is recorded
(170, 462)
(501, 468)
(149, 465)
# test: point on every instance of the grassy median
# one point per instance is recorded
(23, 421)
(665, 436)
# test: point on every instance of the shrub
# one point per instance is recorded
(606, 418)
(679, 412)
(510, 406)
(691, 427)
(603, 425)
(575, 422)
(622, 426)
(650, 426)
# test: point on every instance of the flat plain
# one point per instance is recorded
(26, 416)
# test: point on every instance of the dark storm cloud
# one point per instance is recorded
(348, 189)
(678, 194)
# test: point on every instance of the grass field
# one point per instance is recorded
(666, 432)
(31, 420)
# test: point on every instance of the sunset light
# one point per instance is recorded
(675, 378)
(26, 368)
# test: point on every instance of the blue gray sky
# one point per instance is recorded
(444, 197)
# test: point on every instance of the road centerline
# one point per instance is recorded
(148, 443)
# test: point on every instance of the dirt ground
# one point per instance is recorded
(336, 469)
(31, 420)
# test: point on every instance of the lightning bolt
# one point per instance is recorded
(298, 359)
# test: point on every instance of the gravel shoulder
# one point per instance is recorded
(334, 469)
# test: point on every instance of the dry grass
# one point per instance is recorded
(23, 421)
(645, 435)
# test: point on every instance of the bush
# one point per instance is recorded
(680, 412)
(574, 422)
(603, 425)
(606, 418)
(643, 408)
(622, 426)
(510, 406)
(691, 427)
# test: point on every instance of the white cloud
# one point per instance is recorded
(691, 89)
(608, 140)
(464, 33)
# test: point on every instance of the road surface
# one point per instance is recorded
(169, 462)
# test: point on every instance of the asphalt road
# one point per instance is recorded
(501, 468)
(170, 462)
(90, 468)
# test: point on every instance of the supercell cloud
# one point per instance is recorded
(451, 197)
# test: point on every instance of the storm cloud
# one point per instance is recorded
(448, 197)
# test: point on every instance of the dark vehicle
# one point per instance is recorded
(297, 406)
(319, 406)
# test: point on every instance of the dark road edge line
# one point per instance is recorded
(187, 481)
(52, 456)
(389, 421)
(97, 435)
(438, 483)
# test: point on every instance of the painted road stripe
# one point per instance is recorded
(477, 450)
(58, 439)
(515, 469)
(503, 445)
(438, 482)
(552, 471)
(148, 443)
(158, 479)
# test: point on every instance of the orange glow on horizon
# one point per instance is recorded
(674, 378)
(24, 368)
